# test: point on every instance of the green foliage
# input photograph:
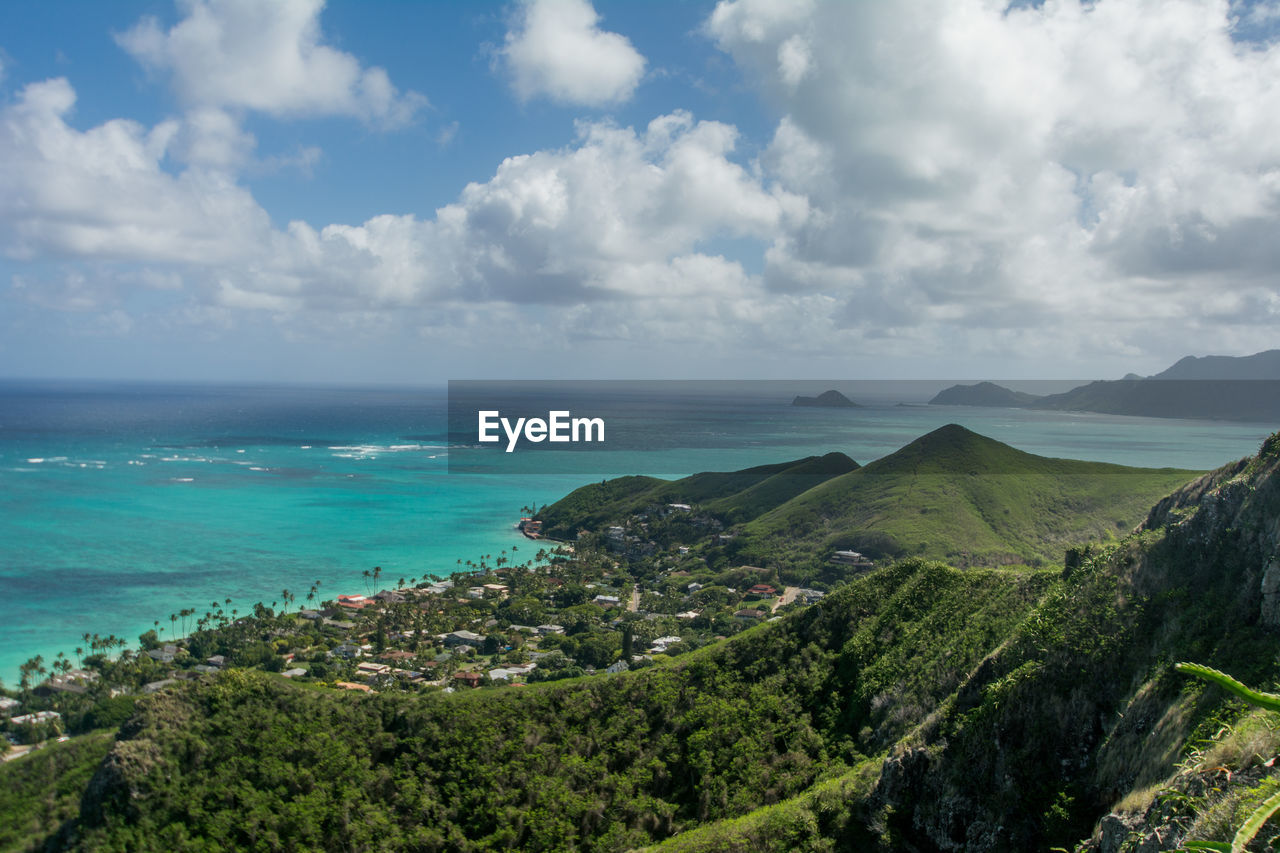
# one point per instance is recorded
(41, 791)
(605, 763)
(1270, 701)
(734, 496)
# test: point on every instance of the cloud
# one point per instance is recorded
(1042, 185)
(556, 49)
(1038, 165)
(102, 194)
(268, 57)
(622, 217)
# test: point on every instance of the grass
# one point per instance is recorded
(961, 497)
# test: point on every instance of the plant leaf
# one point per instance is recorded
(1255, 822)
(1270, 701)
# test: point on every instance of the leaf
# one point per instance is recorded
(1221, 846)
(1270, 701)
(1251, 826)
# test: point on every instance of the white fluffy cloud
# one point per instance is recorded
(622, 217)
(946, 176)
(556, 49)
(103, 195)
(1071, 166)
(268, 57)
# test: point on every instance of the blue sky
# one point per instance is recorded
(412, 192)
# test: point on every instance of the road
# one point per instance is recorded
(788, 596)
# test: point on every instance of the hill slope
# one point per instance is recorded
(918, 707)
(956, 495)
(737, 495)
(1260, 365)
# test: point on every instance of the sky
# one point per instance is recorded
(397, 192)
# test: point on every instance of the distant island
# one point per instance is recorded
(827, 399)
(1212, 387)
(983, 394)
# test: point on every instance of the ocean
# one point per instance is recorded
(123, 503)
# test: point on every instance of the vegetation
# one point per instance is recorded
(915, 705)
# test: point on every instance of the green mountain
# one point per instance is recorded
(736, 496)
(918, 707)
(956, 495)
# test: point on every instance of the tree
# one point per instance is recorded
(628, 639)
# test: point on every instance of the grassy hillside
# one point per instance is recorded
(956, 495)
(735, 495)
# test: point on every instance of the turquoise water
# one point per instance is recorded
(121, 504)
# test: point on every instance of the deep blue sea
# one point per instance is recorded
(123, 503)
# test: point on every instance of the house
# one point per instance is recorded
(368, 669)
(500, 674)
(682, 549)
(311, 615)
(809, 596)
(156, 686)
(470, 679)
(475, 592)
(164, 654)
(679, 507)
(522, 668)
(617, 666)
(762, 589)
(660, 645)
(688, 614)
(605, 600)
(397, 655)
(8, 706)
(550, 629)
(293, 673)
(72, 681)
(748, 615)
(693, 587)
(496, 588)
(37, 717)
(216, 660)
(851, 558)
(462, 638)
(347, 651)
(353, 602)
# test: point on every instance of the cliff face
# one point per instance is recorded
(1079, 707)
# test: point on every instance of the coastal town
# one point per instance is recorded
(546, 610)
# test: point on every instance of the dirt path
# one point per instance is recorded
(634, 604)
(788, 596)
